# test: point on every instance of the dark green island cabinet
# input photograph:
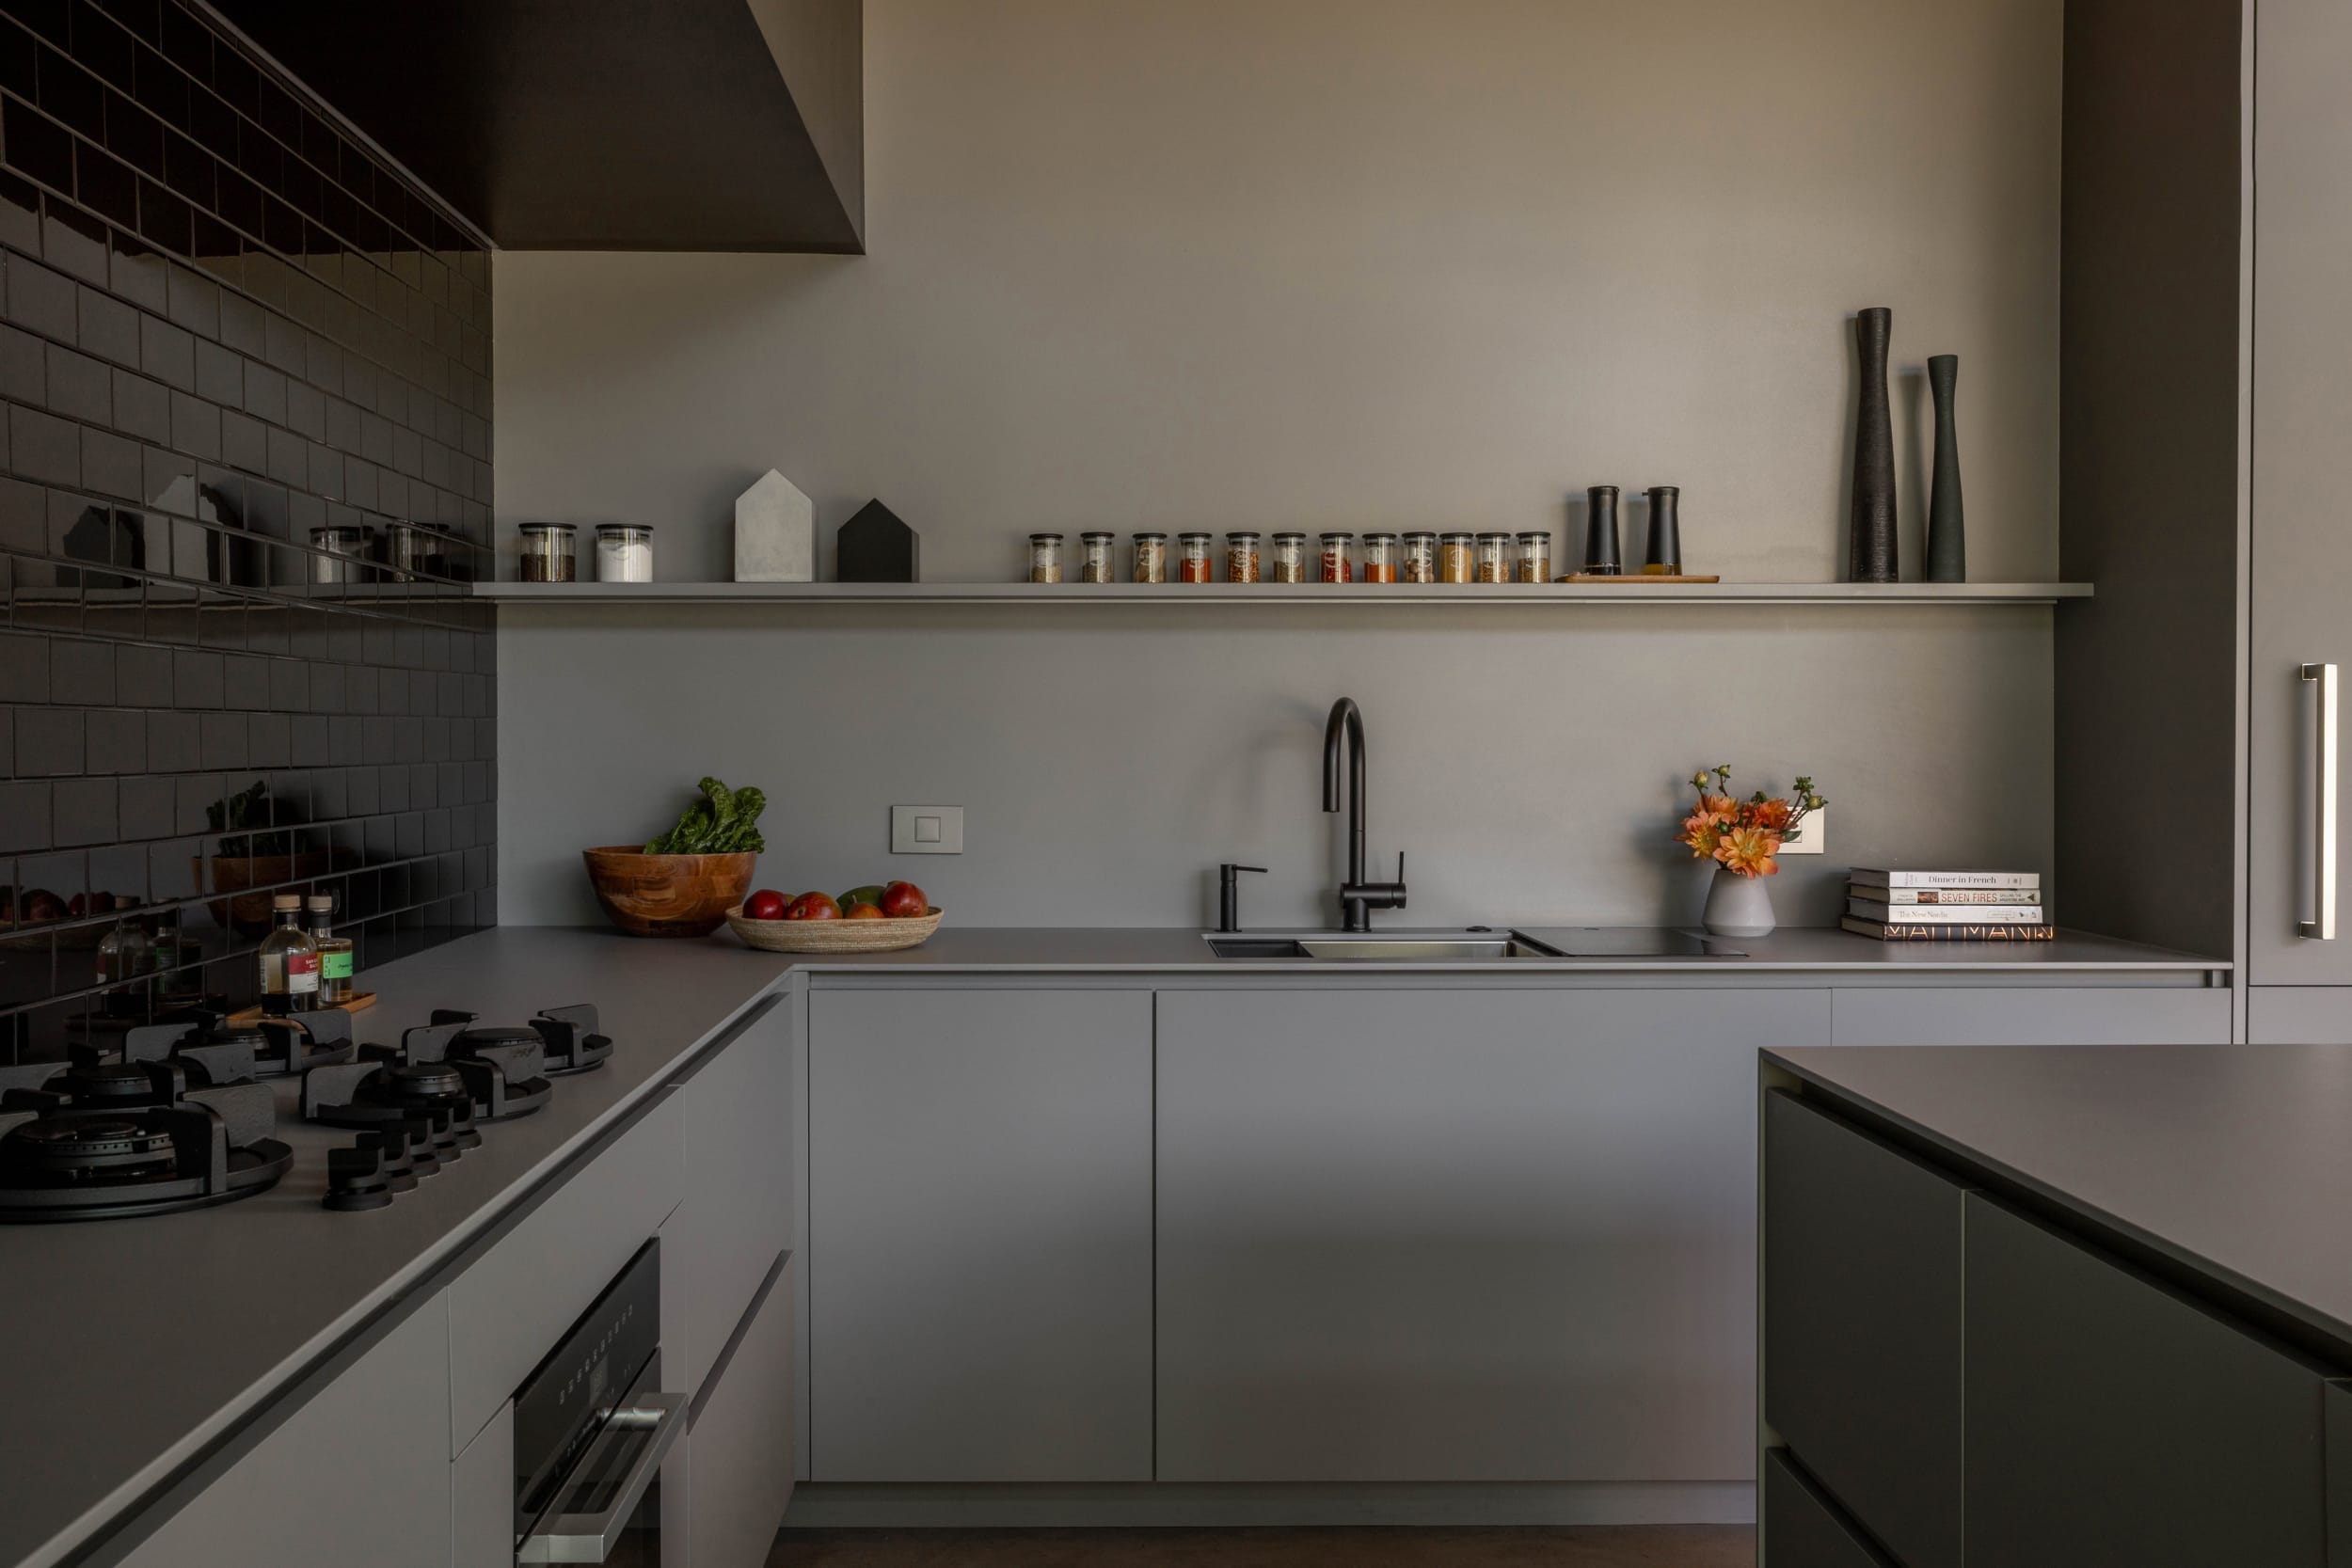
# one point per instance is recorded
(2033, 1309)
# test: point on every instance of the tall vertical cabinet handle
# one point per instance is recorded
(2323, 927)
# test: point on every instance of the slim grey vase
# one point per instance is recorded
(1948, 537)
(1870, 547)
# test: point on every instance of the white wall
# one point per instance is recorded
(1311, 264)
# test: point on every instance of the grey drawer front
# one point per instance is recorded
(2113, 1421)
(736, 1216)
(2298, 1015)
(2032, 1015)
(1862, 1325)
(518, 1297)
(1803, 1529)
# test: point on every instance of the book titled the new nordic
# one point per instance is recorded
(1894, 931)
(1886, 876)
(1940, 915)
(1947, 895)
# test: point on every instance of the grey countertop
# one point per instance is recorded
(132, 1345)
(2232, 1161)
(1818, 950)
(209, 1315)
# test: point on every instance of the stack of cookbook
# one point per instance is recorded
(1946, 906)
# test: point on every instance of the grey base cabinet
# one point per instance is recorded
(736, 1216)
(358, 1477)
(1458, 1236)
(979, 1235)
(740, 1481)
(1862, 1326)
(2110, 1421)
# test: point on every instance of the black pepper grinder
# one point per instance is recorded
(1664, 559)
(1601, 559)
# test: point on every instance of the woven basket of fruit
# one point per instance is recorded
(863, 920)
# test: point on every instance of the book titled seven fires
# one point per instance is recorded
(1879, 893)
(1885, 932)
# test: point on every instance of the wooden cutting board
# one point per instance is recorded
(357, 1000)
(1630, 577)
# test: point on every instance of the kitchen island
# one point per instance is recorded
(2056, 1305)
(1004, 1109)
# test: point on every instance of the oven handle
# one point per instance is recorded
(649, 1423)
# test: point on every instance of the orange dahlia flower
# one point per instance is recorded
(1749, 852)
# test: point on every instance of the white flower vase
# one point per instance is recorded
(1739, 906)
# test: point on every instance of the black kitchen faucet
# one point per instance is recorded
(1345, 730)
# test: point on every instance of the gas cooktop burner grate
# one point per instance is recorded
(105, 1140)
(437, 1066)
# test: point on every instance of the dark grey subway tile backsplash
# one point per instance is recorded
(225, 325)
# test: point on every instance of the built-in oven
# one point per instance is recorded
(591, 1429)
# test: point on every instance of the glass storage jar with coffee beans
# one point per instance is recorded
(546, 551)
(1045, 558)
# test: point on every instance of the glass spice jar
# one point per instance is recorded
(1535, 563)
(1288, 563)
(1098, 563)
(1492, 563)
(1453, 556)
(1241, 557)
(623, 553)
(1419, 564)
(1339, 557)
(1379, 558)
(546, 551)
(1045, 558)
(1196, 561)
(1151, 558)
(341, 553)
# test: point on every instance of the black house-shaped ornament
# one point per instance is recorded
(875, 547)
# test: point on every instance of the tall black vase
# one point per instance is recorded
(1870, 556)
(1947, 538)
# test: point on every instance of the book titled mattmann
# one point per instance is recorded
(1946, 905)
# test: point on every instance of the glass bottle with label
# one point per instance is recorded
(289, 962)
(334, 954)
(115, 959)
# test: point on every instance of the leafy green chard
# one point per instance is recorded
(723, 822)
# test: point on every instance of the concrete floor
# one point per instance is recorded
(1664, 1546)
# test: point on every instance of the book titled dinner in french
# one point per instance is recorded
(1998, 881)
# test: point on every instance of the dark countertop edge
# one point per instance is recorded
(151, 1495)
(2307, 1327)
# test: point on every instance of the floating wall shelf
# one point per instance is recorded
(1332, 594)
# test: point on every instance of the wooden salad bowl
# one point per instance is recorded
(836, 936)
(667, 895)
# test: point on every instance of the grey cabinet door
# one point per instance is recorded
(2032, 1015)
(1800, 1529)
(358, 1477)
(2113, 1421)
(743, 1435)
(1436, 1236)
(979, 1241)
(2302, 484)
(1862, 1325)
(737, 1212)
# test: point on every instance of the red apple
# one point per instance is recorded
(766, 904)
(814, 906)
(904, 901)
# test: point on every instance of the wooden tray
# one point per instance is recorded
(1630, 577)
(357, 1000)
(835, 936)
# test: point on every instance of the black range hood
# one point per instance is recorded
(602, 124)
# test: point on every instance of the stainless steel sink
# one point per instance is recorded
(1469, 946)
(1402, 948)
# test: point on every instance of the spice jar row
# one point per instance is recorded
(623, 553)
(1336, 557)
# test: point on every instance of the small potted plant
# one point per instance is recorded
(682, 883)
(1743, 839)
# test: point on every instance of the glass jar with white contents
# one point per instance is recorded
(623, 553)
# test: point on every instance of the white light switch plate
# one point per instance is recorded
(926, 829)
(1811, 837)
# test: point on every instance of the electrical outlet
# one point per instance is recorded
(1811, 837)
(926, 829)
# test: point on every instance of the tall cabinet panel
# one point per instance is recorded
(2302, 476)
